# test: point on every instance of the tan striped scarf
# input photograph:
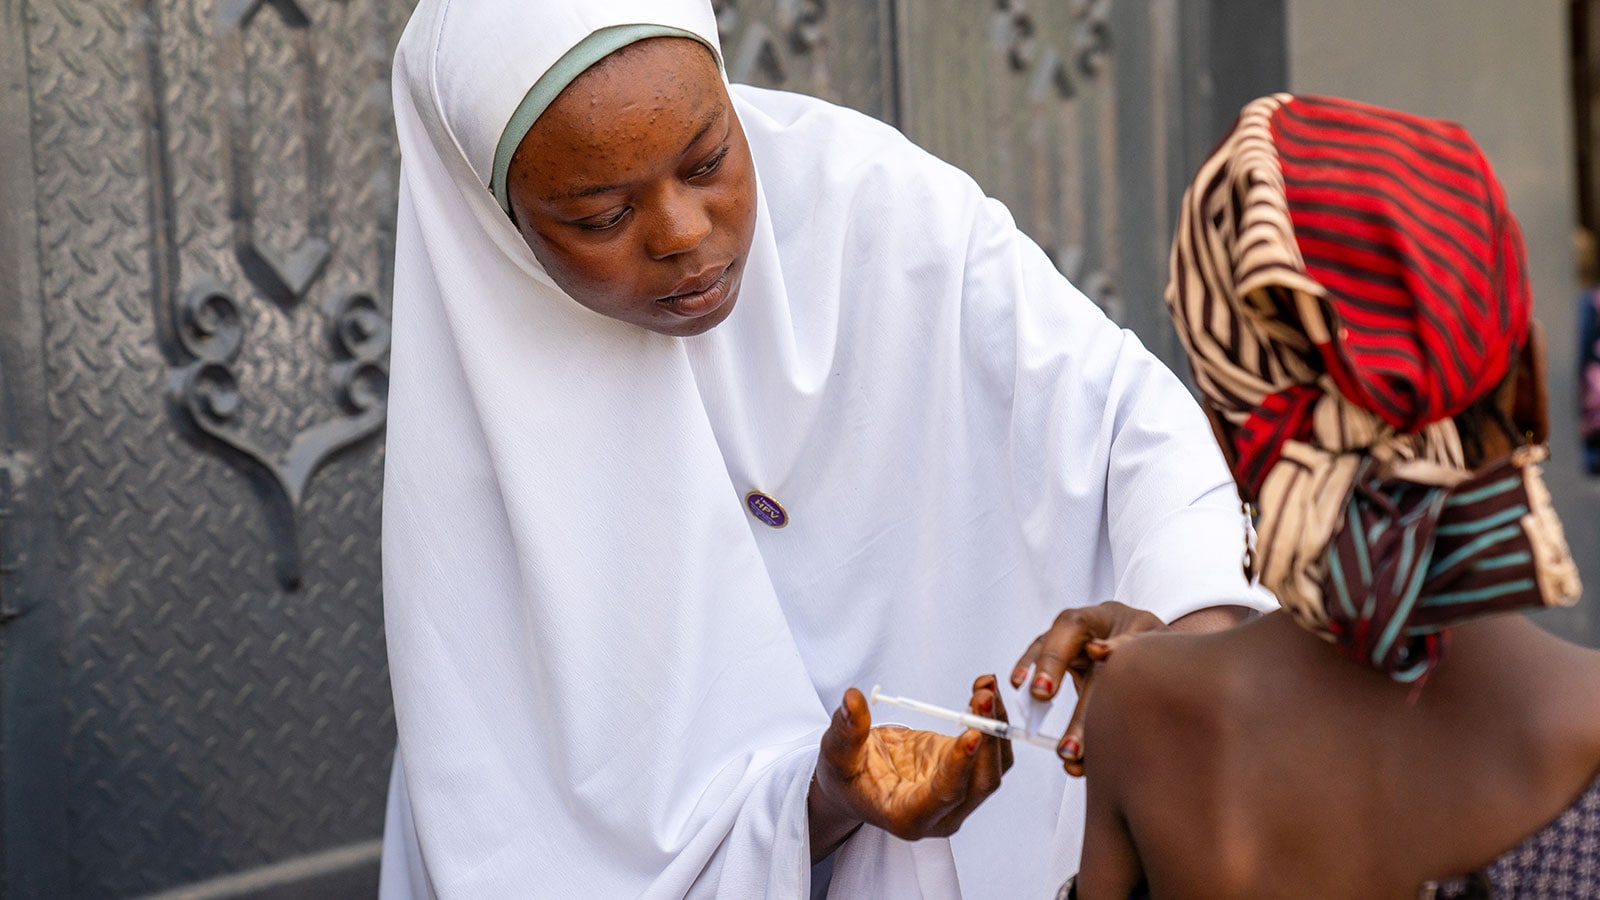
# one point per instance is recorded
(1344, 372)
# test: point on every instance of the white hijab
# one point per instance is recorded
(609, 677)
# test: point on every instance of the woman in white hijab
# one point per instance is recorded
(707, 404)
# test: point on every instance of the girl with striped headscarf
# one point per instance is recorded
(1348, 282)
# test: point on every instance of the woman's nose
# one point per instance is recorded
(681, 225)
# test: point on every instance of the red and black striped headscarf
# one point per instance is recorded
(1347, 279)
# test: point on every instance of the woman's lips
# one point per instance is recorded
(704, 294)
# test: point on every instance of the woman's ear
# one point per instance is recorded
(1530, 405)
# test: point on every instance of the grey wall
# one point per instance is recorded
(1499, 68)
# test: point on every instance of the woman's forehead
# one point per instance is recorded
(646, 83)
(646, 102)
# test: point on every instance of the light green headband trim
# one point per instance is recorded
(574, 62)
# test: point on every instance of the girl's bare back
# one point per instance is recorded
(1260, 763)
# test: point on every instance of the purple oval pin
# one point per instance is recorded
(766, 510)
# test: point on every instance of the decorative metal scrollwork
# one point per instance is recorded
(361, 334)
(1052, 69)
(1061, 71)
(1091, 35)
(207, 391)
(771, 53)
(208, 320)
(210, 328)
(283, 277)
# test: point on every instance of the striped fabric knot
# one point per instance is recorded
(1411, 559)
(1346, 280)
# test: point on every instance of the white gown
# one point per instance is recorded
(609, 676)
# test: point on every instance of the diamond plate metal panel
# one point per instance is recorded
(224, 698)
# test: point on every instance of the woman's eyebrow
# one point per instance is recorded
(705, 126)
(594, 189)
(590, 191)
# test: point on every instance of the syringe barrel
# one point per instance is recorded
(993, 727)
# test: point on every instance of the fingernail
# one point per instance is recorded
(1070, 749)
(1018, 675)
(987, 706)
(1043, 684)
(972, 745)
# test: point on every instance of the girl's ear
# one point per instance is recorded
(1531, 395)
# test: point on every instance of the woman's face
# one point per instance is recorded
(636, 191)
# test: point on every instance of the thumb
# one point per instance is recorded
(1100, 650)
(858, 714)
(848, 731)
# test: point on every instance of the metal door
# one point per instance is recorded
(1086, 117)
(195, 248)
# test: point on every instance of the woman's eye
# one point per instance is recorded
(710, 165)
(603, 222)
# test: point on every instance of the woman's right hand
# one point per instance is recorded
(911, 783)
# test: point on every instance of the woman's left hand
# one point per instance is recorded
(1082, 638)
(1076, 641)
(911, 783)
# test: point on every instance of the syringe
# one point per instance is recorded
(988, 726)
